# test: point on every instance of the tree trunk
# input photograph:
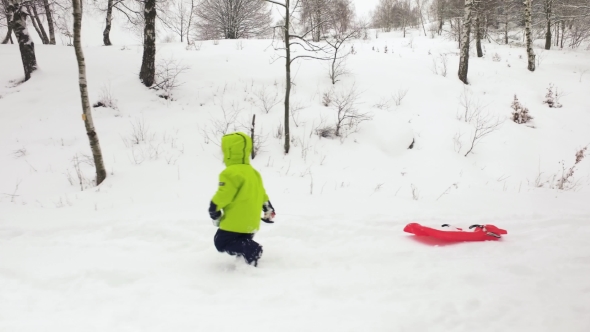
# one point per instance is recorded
(50, 23)
(148, 67)
(9, 32)
(562, 32)
(106, 37)
(548, 5)
(478, 34)
(528, 34)
(18, 24)
(190, 19)
(421, 16)
(464, 58)
(288, 72)
(101, 173)
(39, 25)
(441, 19)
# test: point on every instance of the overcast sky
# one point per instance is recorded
(363, 7)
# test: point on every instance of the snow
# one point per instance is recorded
(137, 254)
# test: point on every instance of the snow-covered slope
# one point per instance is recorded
(136, 253)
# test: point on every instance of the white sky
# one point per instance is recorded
(363, 7)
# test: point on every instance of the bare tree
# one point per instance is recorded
(316, 14)
(528, 33)
(419, 5)
(178, 18)
(106, 34)
(4, 14)
(292, 42)
(342, 16)
(50, 22)
(348, 117)
(101, 173)
(17, 22)
(479, 14)
(337, 62)
(232, 19)
(37, 24)
(148, 66)
(464, 58)
(391, 14)
(548, 7)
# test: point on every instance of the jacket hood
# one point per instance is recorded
(237, 148)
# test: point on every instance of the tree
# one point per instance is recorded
(17, 22)
(507, 16)
(464, 58)
(4, 14)
(317, 14)
(106, 34)
(419, 5)
(478, 28)
(148, 66)
(548, 6)
(101, 173)
(50, 23)
(528, 34)
(391, 14)
(232, 19)
(291, 40)
(178, 18)
(336, 42)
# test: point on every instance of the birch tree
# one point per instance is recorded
(101, 173)
(464, 57)
(106, 34)
(528, 34)
(17, 22)
(148, 63)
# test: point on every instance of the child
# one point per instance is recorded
(240, 196)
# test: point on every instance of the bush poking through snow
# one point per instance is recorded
(167, 71)
(327, 98)
(195, 46)
(106, 98)
(520, 114)
(484, 125)
(399, 96)
(221, 126)
(140, 133)
(440, 65)
(496, 57)
(551, 98)
(348, 117)
(566, 180)
(267, 99)
(325, 132)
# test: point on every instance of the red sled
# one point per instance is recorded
(477, 233)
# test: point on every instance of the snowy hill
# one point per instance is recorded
(137, 254)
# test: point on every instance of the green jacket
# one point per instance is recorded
(241, 193)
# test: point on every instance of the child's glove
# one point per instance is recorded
(214, 214)
(268, 217)
(269, 213)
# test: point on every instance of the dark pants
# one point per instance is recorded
(238, 244)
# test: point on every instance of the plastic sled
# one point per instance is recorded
(449, 233)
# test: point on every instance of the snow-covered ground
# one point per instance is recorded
(137, 254)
